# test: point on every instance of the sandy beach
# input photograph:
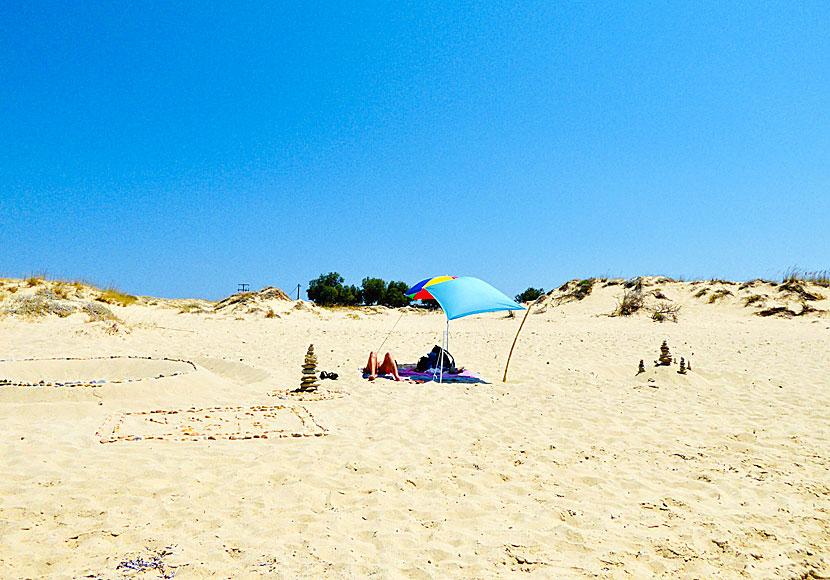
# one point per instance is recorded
(576, 467)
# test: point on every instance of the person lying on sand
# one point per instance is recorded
(387, 367)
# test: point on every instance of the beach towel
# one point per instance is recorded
(409, 371)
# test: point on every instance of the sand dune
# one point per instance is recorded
(577, 467)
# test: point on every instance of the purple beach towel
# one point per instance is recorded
(407, 371)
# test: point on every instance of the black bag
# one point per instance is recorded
(435, 357)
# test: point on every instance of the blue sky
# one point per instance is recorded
(179, 149)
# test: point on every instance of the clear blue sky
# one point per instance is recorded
(179, 149)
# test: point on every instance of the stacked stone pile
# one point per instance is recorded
(665, 356)
(309, 382)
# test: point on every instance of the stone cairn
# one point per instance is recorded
(682, 370)
(665, 356)
(309, 383)
(641, 368)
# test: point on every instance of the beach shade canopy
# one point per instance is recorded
(462, 296)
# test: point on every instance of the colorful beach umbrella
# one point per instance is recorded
(463, 296)
(419, 291)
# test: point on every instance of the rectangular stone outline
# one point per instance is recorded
(108, 432)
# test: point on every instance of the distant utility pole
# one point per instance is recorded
(298, 291)
(242, 287)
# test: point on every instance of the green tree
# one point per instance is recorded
(394, 296)
(326, 290)
(373, 291)
(529, 295)
(350, 296)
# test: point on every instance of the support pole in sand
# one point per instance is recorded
(529, 306)
(445, 346)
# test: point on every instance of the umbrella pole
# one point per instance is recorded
(504, 379)
(445, 345)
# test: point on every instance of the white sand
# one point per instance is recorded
(576, 468)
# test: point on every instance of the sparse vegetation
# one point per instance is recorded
(192, 308)
(719, 294)
(583, 288)
(702, 293)
(33, 281)
(60, 290)
(270, 313)
(631, 302)
(46, 293)
(98, 312)
(785, 312)
(635, 283)
(45, 303)
(112, 295)
(576, 290)
(664, 312)
(38, 305)
(819, 277)
(797, 287)
(752, 283)
(749, 300)
(776, 311)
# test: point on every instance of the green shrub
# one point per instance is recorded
(530, 295)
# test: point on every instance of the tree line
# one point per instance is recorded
(330, 290)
